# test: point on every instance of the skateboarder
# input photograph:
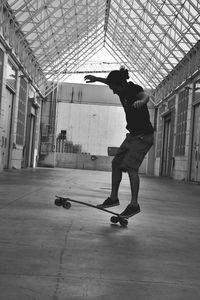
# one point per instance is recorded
(137, 142)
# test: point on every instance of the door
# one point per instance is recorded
(31, 141)
(166, 153)
(6, 131)
(28, 152)
(195, 162)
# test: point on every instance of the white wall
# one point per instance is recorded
(87, 93)
(95, 127)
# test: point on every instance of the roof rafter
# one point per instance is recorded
(151, 37)
(150, 50)
(119, 51)
(141, 62)
(85, 57)
(64, 49)
(66, 57)
(67, 38)
(107, 13)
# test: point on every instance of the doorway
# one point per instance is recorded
(166, 166)
(29, 147)
(195, 159)
(31, 141)
(7, 127)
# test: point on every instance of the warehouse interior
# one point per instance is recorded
(58, 137)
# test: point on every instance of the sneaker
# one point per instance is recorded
(130, 211)
(109, 203)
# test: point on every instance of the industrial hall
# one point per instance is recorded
(62, 135)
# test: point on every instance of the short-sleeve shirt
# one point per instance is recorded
(138, 120)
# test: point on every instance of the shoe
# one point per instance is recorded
(130, 211)
(109, 203)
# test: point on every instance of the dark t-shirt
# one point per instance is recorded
(138, 120)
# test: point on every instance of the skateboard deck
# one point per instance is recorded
(66, 203)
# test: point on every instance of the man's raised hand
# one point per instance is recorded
(90, 78)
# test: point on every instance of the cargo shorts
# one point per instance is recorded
(132, 151)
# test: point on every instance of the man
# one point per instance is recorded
(137, 142)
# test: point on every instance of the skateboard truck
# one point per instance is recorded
(66, 203)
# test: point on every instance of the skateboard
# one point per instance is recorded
(66, 203)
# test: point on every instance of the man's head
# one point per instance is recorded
(117, 80)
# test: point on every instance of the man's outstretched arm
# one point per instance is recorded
(91, 78)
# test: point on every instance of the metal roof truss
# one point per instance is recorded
(58, 36)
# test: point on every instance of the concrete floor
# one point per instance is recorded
(48, 252)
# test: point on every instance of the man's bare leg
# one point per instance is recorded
(113, 199)
(133, 208)
(135, 184)
(116, 179)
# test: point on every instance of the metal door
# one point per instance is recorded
(166, 153)
(6, 132)
(31, 141)
(195, 162)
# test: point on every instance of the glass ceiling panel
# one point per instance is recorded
(152, 37)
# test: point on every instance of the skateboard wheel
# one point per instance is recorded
(67, 205)
(123, 222)
(58, 202)
(114, 219)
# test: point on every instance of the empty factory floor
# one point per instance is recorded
(48, 252)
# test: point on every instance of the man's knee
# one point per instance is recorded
(132, 171)
(117, 165)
